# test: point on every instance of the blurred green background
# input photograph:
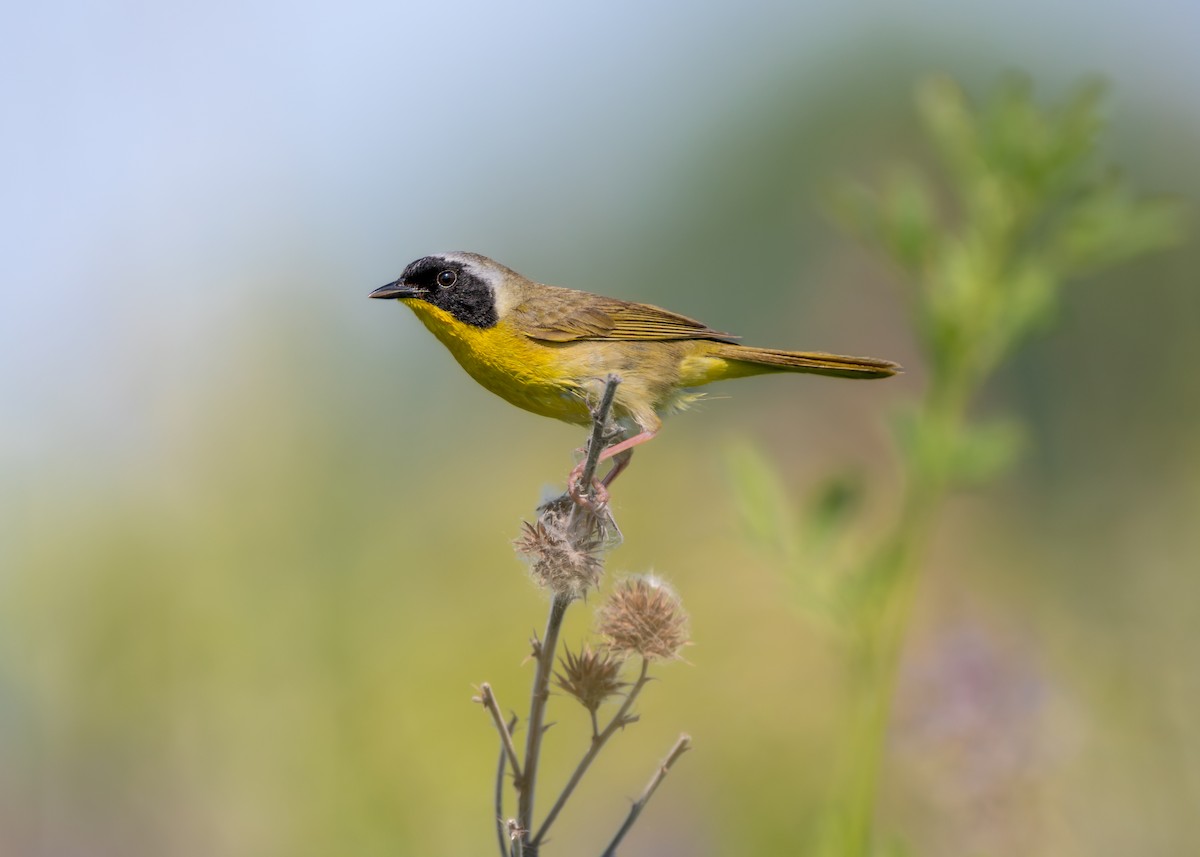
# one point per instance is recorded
(254, 528)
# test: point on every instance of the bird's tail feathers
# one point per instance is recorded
(813, 362)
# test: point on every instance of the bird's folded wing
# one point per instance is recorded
(571, 315)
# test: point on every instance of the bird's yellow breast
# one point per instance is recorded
(521, 370)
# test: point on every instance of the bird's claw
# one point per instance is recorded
(599, 493)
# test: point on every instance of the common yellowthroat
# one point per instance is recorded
(550, 350)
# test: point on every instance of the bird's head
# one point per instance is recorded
(474, 289)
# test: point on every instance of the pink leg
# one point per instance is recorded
(620, 462)
(630, 443)
(622, 452)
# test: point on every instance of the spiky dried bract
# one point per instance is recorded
(565, 561)
(643, 616)
(591, 677)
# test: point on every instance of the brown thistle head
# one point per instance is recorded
(591, 677)
(643, 616)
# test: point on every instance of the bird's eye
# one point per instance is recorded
(446, 279)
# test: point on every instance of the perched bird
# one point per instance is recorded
(550, 350)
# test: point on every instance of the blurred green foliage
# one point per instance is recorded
(1023, 206)
(1029, 207)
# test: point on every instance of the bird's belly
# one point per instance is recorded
(538, 394)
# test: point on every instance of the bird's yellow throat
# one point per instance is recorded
(508, 363)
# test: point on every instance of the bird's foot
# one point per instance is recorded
(593, 501)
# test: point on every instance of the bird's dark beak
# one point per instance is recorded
(397, 290)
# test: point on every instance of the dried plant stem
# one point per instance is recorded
(488, 699)
(681, 746)
(501, 766)
(596, 442)
(537, 712)
(545, 650)
(619, 720)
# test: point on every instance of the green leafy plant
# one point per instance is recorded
(1024, 207)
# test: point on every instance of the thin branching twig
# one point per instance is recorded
(596, 442)
(501, 767)
(681, 746)
(487, 698)
(620, 720)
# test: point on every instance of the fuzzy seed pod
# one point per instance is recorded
(565, 563)
(643, 616)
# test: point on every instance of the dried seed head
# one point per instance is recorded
(591, 677)
(566, 563)
(643, 616)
